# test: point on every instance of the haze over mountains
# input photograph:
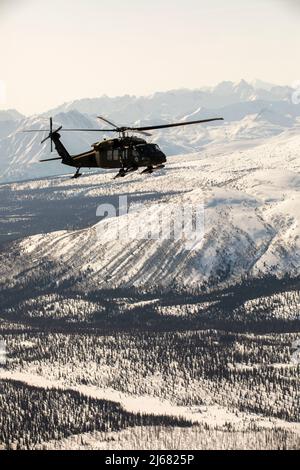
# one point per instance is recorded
(252, 113)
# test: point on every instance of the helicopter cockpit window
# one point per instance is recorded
(147, 148)
(116, 154)
(155, 146)
(109, 155)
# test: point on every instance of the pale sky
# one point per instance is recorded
(53, 51)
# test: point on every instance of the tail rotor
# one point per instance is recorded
(51, 133)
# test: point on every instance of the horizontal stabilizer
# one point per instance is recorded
(50, 159)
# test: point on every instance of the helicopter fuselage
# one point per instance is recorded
(123, 152)
(127, 152)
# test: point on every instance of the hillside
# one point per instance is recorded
(137, 342)
(251, 115)
(251, 222)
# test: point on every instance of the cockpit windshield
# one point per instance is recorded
(147, 149)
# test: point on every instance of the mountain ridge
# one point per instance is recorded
(252, 226)
(238, 103)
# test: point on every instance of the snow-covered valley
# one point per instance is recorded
(167, 342)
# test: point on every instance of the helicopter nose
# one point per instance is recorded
(161, 157)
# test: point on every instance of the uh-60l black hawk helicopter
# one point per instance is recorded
(126, 152)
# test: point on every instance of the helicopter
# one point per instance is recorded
(126, 152)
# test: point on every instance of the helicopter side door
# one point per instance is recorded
(113, 157)
(124, 155)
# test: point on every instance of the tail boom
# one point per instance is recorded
(66, 158)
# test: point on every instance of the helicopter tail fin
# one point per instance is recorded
(61, 149)
(54, 137)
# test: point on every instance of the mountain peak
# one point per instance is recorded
(261, 85)
(223, 88)
(10, 115)
(242, 84)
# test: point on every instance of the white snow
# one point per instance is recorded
(252, 112)
(213, 415)
(251, 219)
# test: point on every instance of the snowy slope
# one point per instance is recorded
(251, 112)
(9, 121)
(10, 115)
(252, 225)
(20, 152)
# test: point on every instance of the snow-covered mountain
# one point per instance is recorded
(251, 111)
(10, 115)
(251, 202)
(9, 121)
(176, 103)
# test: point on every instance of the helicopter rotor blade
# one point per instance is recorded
(72, 130)
(35, 130)
(49, 136)
(108, 122)
(46, 138)
(89, 130)
(176, 124)
(105, 130)
(143, 133)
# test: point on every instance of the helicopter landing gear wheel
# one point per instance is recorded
(121, 173)
(151, 168)
(77, 174)
(124, 171)
(148, 170)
